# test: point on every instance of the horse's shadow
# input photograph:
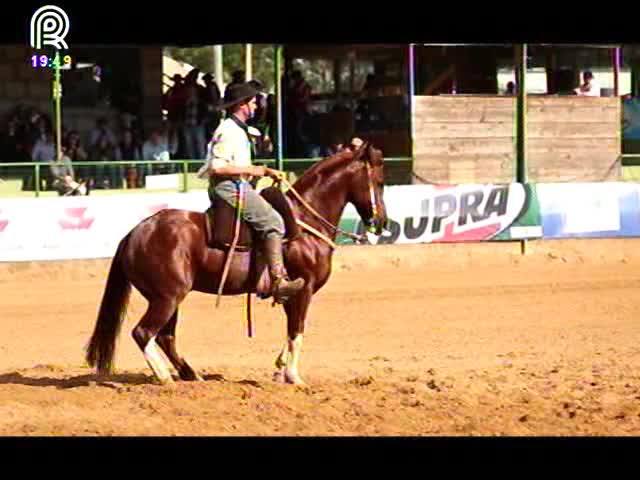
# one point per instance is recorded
(114, 381)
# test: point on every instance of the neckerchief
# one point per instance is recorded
(245, 128)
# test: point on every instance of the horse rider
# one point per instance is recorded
(228, 166)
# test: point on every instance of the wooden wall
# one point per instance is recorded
(464, 139)
(573, 139)
(471, 139)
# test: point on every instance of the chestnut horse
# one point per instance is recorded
(166, 256)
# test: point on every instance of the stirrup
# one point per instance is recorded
(282, 299)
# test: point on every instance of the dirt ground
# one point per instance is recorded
(403, 340)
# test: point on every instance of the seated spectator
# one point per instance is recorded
(128, 149)
(106, 176)
(73, 147)
(63, 178)
(38, 127)
(156, 148)
(511, 88)
(44, 150)
(170, 136)
(101, 130)
(76, 153)
(589, 87)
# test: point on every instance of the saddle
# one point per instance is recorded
(220, 221)
(221, 217)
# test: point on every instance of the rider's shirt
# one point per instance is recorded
(230, 146)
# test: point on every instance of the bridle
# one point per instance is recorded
(357, 238)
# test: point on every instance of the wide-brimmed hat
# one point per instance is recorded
(237, 93)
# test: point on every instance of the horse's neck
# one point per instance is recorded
(329, 199)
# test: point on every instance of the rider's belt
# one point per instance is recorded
(223, 178)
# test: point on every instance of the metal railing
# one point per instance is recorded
(41, 170)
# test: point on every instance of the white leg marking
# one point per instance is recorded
(156, 362)
(295, 347)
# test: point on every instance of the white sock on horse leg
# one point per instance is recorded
(295, 347)
(154, 358)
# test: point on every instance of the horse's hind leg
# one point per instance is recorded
(167, 341)
(144, 334)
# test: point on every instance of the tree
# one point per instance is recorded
(233, 59)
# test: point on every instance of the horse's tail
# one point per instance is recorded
(101, 348)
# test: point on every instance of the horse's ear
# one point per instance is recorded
(362, 148)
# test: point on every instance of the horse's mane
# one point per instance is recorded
(324, 168)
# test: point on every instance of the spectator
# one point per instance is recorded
(44, 150)
(155, 148)
(172, 140)
(105, 176)
(211, 99)
(39, 127)
(194, 112)
(300, 93)
(101, 130)
(236, 77)
(298, 100)
(260, 121)
(76, 153)
(129, 149)
(511, 88)
(173, 99)
(73, 147)
(589, 87)
(63, 178)
(174, 102)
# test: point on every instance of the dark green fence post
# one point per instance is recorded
(185, 176)
(521, 116)
(37, 179)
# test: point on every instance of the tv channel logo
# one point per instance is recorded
(49, 26)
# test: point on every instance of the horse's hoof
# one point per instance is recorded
(167, 382)
(294, 379)
(279, 377)
(191, 377)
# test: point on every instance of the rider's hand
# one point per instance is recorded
(275, 174)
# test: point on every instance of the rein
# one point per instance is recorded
(304, 203)
(327, 223)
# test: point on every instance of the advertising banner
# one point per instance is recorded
(457, 213)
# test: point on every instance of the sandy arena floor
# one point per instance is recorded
(403, 340)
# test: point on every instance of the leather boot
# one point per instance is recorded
(283, 288)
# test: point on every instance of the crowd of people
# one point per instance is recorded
(190, 117)
(28, 137)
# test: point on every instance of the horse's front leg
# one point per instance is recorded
(281, 364)
(289, 358)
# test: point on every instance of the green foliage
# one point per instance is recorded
(233, 59)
